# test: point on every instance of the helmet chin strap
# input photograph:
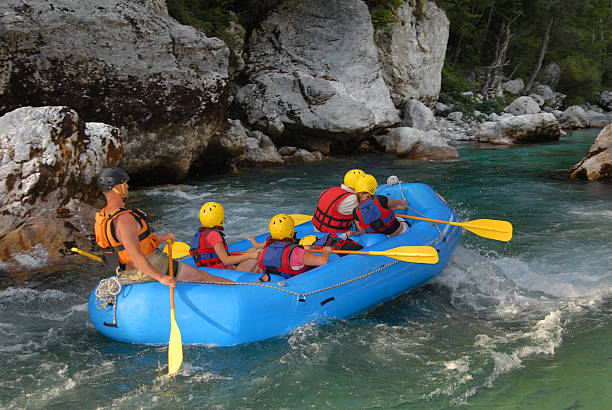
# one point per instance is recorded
(122, 193)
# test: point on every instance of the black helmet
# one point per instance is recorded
(109, 177)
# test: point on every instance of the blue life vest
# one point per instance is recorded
(276, 257)
(202, 255)
(373, 218)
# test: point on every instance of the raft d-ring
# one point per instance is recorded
(301, 298)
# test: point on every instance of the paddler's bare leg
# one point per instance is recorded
(187, 273)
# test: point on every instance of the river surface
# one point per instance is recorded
(519, 325)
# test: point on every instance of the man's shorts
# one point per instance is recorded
(160, 261)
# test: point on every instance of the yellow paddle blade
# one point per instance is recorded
(487, 228)
(175, 346)
(414, 254)
(490, 228)
(179, 250)
(300, 219)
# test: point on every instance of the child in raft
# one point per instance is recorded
(282, 255)
(374, 214)
(209, 249)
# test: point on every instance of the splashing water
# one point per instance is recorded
(524, 324)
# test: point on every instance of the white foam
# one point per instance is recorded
(34, 259)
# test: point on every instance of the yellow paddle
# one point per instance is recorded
(300, 218)
(414, 254)
(179, 249)
(89, 255)
(175, 346)
(487, 228)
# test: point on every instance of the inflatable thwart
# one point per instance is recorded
(247, 311)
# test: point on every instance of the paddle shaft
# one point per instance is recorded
(430, 220)
(89, 255)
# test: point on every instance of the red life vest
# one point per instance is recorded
(326, 217)
(114, 252)
(275, 258)
(332, 240)
(203, 256)
(374, 218)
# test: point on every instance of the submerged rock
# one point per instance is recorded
(597, 164)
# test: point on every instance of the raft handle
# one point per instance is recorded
(301, 298)
(328, 300)
(110, 324)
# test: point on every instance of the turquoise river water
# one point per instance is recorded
(519, 325)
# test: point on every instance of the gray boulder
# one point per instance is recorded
(605, 100)
(523, 105)
(417, 115)
(513, 87)
(597, 164)
(406, 142)
(412, 51)
(260, 151)
(127, 64)
(550, 74)
(574, 117)
(314, 71)
(521, 129)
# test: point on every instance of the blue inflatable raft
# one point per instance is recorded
(228, 315)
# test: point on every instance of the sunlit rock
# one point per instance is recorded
(520, 129)
(50, 158)
(412, 51)
(597, 165)
(413, 143)
(314, 71)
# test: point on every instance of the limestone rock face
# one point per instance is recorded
(520, 129)
(127, 64)
(597, 165)
(314, 71)
(412, 51)
(50, 158)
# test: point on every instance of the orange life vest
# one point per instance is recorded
(106, 236)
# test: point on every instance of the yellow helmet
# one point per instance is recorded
(211, 215)
(351, 177)
(281, 227)
(308, 240)
(366, 183)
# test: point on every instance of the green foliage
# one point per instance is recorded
(211, 16)
(581, 29)
(580, 79)
(384, 12)
(452, 81)
(469, 104)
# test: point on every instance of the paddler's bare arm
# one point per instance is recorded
(127, 231)
(234, 259)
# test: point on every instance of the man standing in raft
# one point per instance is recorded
(129, 244)
(334, 213)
